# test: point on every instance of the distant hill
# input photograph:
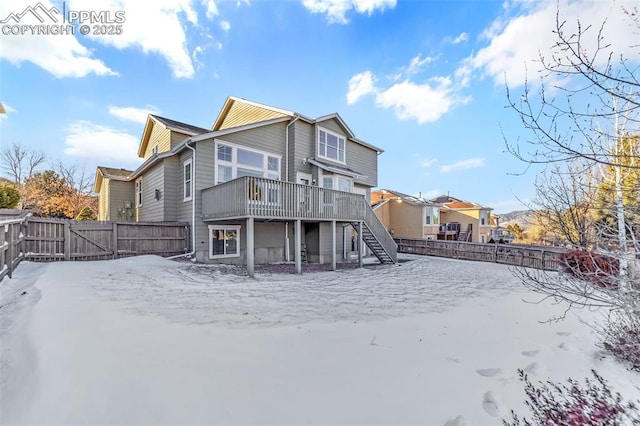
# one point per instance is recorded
(522, 217)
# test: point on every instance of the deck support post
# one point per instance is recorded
(250, 247)
(333, 245)
(360, 244)
(298, 244)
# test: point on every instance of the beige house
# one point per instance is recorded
(262, 185)
(405, 215)
(443, 218)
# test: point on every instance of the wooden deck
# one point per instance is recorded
(272, 199)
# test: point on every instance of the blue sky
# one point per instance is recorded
(424, 80)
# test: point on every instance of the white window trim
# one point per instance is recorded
(155, 149)
(334, 179)
(424, 216)
(225, 228)
(339, 136)
(188, 162)
(234, 161)
(139, 188)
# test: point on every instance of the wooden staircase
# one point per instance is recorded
(377, 238)
(466, 235)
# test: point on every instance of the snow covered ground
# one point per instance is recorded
(147, 341)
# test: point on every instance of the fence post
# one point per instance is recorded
(67, 240)
(114, 240)
(8, 233)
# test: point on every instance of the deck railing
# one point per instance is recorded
(273, 199)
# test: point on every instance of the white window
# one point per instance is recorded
(224, 241)
(331, 145)
(154, 150)
(337, 182)
(234, 161)
(484, 217)
(187, 179)
(432, 216)
(139, 193)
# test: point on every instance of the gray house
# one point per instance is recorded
(263, 185)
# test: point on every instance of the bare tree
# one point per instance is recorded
(81, 182)
(21, 162)
(584, 115)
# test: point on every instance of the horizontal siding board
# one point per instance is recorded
(152, 210)
(121, 200)
(241, 113)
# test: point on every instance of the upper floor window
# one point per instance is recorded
(340, 183)
(139, 193)
(187, 179)
(484, 217)
(235, 161)
(432, 216)
(154, 150)
(331, 145)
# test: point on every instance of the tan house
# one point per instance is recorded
(443, 217)
(263, 185)
(405, 215)
(470, 221)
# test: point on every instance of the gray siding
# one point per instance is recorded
(363, 160)
(172, 193)
(120, 193)
(268, 138)
(152, 210)
(303, 146)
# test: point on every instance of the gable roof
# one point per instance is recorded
(456, 203)
(388, 194)
(178, 126)
(110, 173)
(167, 123)
(239, 111)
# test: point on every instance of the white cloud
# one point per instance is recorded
(225, 25)
(360, 85)
(211, 8)
(428, 162)
(424, 101)
(511, 44)
(470, 163)
(91, 141)
(155, 27)
(61, 55)
(463, 37)
(337, 9)
(137, 115)
(416, 64)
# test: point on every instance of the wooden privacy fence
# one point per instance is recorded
(532, 257)
(51, 239)
(11, 242)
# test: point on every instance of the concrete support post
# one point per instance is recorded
(298, 245)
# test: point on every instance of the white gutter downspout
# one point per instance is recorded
(286, 179)
(193, 203)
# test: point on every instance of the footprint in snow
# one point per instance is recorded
(563, 333)
(533, 368)
(489, 372)
(458, 421)
(489, 404)
(530, 353)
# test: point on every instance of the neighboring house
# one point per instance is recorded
(443, 218)
(470, 221)
(263, 185)
(405, 215)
